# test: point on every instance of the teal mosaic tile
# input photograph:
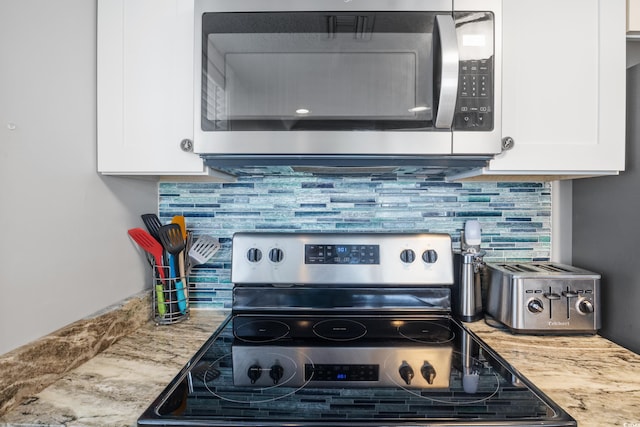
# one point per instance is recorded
(515, 217)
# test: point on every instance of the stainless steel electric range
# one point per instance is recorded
(347, 329)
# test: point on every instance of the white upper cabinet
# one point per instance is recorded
(563, 88)
(633, 15)
(145, 87)
(563, 91)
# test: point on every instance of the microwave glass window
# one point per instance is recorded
(318, 71)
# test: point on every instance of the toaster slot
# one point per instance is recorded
(518, 268)
(552, 268)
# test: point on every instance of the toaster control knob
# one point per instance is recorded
(254, 373)
(407, 256)
(535, 306)
(276, 255)
(430, 256)
(276, 372)
(406, 372)
(428, 372)
(585, 306)
(254, 255)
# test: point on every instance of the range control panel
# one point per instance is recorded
(342, 254)
(373, 259)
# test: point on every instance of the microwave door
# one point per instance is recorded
(446, 62)
(326, 83)
(321, 71)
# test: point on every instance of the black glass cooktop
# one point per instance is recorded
(352, 371)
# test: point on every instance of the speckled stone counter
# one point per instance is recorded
(32, 367)
(596, 381)
(117, 385)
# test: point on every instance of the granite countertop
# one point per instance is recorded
(594, 380)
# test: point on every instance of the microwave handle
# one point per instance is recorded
(449, 60)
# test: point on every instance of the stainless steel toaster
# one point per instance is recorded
(543, 298)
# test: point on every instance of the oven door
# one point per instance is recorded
(288, 78)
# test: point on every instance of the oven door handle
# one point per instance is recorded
(446, 69)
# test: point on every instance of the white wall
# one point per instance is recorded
(64, 251)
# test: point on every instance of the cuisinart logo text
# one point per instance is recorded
(559, 323)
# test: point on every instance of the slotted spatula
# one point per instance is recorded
(153, 224)
(152, 246)
(203, 249)
(171, 239)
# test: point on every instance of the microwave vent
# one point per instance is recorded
(360, 25)
(432, 167)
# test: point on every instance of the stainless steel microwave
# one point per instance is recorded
(308, 79)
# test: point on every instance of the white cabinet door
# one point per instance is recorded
(145, 87)
(563, 87)
(633, 15)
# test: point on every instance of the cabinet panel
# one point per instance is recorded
(562, 95)
(145, 87)
(563, 86)
(633, 15)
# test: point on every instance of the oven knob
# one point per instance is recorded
(535, 306)
(276, 255)
(254, 255)
(276, 372)
(585, 306)
(406, 372)
(407, 256)
(428, 372)
(430, 256)
(254, 373)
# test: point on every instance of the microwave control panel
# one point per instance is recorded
(474, 109)
(475, 100)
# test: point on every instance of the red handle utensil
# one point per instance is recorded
(151, 245)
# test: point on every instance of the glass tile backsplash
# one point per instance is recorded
(515, 217)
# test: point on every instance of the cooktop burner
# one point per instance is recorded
(339, 329)
(260, 330)
(431, 332)
(471, 385)
(328, 327)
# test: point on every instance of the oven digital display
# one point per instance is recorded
(341, 372)
(342, 254)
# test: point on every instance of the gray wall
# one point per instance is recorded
(606, 232)
(64, 251)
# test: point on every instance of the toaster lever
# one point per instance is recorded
(551, 295)
(568, 294)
